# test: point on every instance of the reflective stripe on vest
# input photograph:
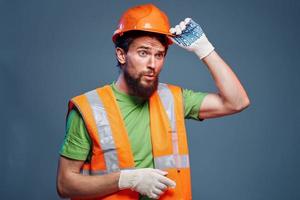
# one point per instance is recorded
(104, 131)
(176, 160)
(167, 162)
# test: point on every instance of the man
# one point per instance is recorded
(127, 140)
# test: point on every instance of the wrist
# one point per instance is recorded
(126, 179)
(203, 47)
(123, 184)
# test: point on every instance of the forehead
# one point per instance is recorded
(148, 42)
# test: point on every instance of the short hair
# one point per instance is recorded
(127, 38)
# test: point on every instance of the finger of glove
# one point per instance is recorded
(161, 186)
(182, 25)
(158, 192)
(153, 196)
(178, 30)
(172, 30)
(168, 182)
(187, 20)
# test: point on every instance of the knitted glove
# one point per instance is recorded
(189, 35)
(146, 181)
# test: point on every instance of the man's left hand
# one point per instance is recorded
(189, 35)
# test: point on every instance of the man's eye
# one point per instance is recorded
(159, 56)
(142, 53)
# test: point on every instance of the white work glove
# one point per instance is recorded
(189, 35)
(146, 181)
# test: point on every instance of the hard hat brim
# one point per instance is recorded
(118, 33)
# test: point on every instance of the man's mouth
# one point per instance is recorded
(150, 77)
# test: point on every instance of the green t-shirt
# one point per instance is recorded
(135, 114)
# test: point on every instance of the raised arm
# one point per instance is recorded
(231, 97)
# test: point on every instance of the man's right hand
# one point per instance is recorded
(147, 181)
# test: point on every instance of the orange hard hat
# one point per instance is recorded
(143, 18)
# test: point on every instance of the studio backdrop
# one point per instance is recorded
(51, 51)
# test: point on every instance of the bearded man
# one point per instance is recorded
(127, 140)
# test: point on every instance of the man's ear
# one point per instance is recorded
(121, 55)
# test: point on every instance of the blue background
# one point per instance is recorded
(53, 50)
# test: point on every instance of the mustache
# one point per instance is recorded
(149, 73)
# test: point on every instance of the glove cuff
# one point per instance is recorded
(203, 47)
(125, 179)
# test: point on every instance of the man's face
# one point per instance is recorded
(144, 61)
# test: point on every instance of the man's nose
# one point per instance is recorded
(151, 62)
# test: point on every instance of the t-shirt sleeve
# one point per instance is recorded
(77, 142)
(192, 102)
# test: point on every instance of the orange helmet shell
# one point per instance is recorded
(143, 18)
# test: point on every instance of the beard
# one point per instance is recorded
(136, 86)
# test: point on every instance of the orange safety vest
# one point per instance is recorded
(111, 150)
